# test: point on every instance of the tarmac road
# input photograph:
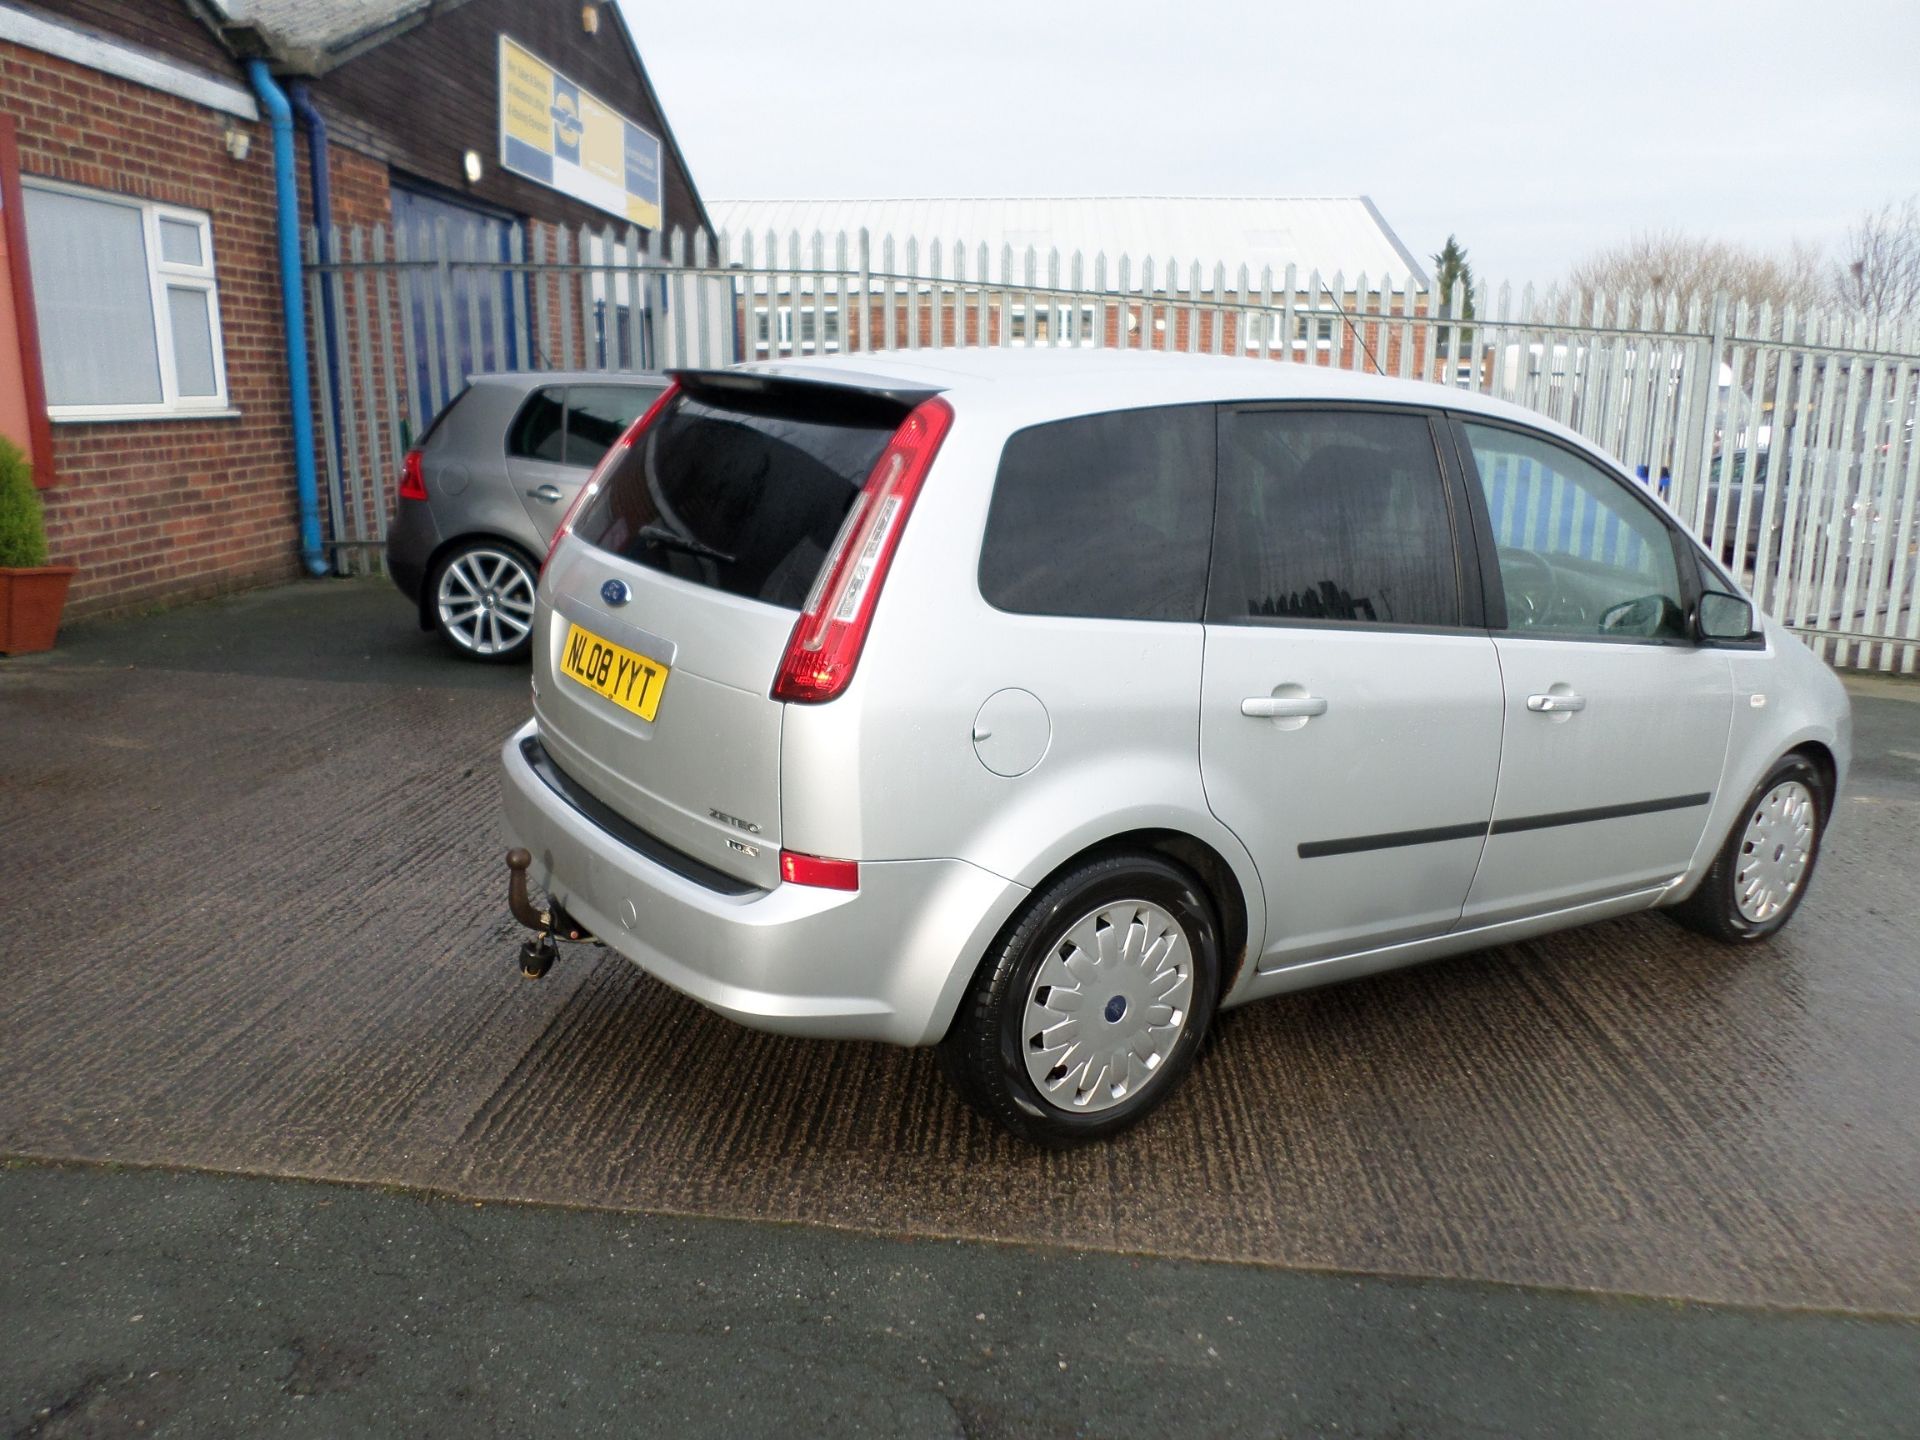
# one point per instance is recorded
(151, 1303)
(256, 924)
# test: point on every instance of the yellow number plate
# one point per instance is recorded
(631, 681)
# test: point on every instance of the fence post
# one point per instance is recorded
(865, 304)
(1689, 483)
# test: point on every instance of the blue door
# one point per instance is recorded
(447, 303)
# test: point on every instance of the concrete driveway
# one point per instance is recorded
(255, 923)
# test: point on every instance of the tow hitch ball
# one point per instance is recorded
(538, 954)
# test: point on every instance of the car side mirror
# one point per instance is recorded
(1721, 616)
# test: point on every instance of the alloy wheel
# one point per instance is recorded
(485, 600)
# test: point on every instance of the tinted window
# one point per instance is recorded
(598, 415)
(537, 431)
(1105, 515)
(434, 426)
(745, 497)
(1331, 515)
(1579, 554)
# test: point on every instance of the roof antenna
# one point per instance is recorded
(1361, 339)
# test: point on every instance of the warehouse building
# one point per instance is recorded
(143, 215)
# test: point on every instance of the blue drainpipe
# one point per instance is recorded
(321, 170)
(286, 194)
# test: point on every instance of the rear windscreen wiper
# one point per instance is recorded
(674, 540)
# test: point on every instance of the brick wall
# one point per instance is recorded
(168, 509)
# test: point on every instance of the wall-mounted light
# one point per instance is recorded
(470, 162)
(239, 142)
(590, 19)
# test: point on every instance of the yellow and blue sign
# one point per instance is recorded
(569, 140)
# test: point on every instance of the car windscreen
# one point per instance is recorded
(743, 493)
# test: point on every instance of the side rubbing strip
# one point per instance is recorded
(1354, 844)
(1602, 812)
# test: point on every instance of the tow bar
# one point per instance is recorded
(538, 954)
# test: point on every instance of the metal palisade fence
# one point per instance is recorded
(1783, 438)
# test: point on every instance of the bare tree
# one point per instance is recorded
(1669, 263)
(1879, 275)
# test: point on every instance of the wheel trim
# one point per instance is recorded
(485, 600)
(1775, 850)
(1107, 1006)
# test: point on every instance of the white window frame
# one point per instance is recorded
(773, 326)
(1317, 325)
(1272, 322)
(161, 274)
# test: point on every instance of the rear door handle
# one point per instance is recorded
(1556, 704)
(549, 493)
(1283, 707)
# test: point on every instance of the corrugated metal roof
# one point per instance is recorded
(1328, 234)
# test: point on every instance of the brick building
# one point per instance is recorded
(144, 198)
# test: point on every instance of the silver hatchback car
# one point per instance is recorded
(485, 487)
(1037, 705)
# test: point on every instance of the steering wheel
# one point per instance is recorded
(1529, 583)
(1644, 615)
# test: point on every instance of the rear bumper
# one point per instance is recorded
(412, 537)
(886, 962)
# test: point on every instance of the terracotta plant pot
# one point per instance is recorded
(30, 606)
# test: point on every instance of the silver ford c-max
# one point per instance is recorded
(1037, 705)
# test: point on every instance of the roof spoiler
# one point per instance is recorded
(888, 398)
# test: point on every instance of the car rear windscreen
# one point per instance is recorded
(434, 424)
(742, 492)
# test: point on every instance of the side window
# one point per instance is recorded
(1579, 555)
(1104, 515)
(538, 430)
(1332, 515)
(598, 415)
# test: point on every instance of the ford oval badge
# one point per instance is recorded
(615, 592)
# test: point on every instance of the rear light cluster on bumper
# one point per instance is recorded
(818, 871)
(832, 628)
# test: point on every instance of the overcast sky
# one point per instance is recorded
(1537, 130)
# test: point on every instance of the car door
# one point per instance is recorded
(560, 434)
(536, 459)
(1351, 699)
(1616, 722)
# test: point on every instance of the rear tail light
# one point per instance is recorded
(827, 638)
(413, 477)
(815, 870)
(607, 462)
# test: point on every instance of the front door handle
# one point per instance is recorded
(548, 493)
(1556, 704)
(1283, 707)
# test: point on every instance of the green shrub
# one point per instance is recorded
(23, 538)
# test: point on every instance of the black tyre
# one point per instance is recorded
(1762, 872)
(1091, 1006)
(480, 598)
